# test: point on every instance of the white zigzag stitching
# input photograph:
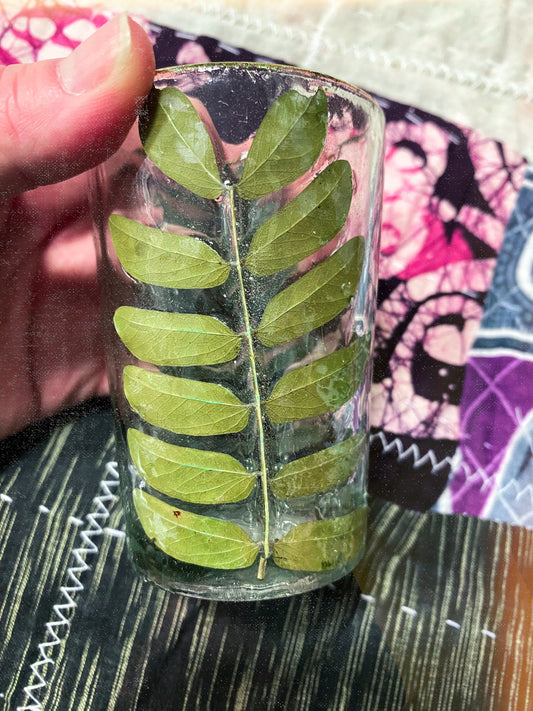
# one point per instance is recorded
(99, 515)
(412, 451)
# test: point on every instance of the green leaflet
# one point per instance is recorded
(321, 386)
(305, 225)
(319, 471)
(175, 339)
(166, 259)
(322, 545)
(315, 298)
(176, 140)
(287, 143)
(194, 475)
(200, 540)
(184, 406)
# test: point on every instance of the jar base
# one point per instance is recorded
(238, 591)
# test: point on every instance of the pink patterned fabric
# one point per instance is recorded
(448, 195)
(45, 32)
(422, 230)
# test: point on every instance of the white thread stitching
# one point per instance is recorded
(488, 633)
(185, 35)
(452, 623)
(412, 451)
(368, 598)
(114, 532)
(248, 22)
(413, 118)
(414, 613)
(94, 529)
(229, 48)
(317, 39)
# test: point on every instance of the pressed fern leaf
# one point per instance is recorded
(200, 540)
(321, 386)
(166, 259)
(164, 338)
(176, 140)
(287, 143)
(319, 471)
(182, 405)
(315, 298)
(305, 224)
(195, 475)
(322, 545)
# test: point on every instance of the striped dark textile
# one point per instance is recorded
(437, 617)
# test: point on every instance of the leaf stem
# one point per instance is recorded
(257, 397)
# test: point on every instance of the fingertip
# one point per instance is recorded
(62, 117)
(142, 49)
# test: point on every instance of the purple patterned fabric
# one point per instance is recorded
(493, 476)
(496, 403)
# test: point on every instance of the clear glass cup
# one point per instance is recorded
(237, 231)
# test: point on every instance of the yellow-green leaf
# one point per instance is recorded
(199, 540)
(176, 140)
(319, 471)
(321, 386)
(195, 475)
(287, 143)
(305, 225)
(166, 259)
(322, 545)
(164, 338)
(315, 298)
(182, 405)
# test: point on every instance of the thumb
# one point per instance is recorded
(61, 117)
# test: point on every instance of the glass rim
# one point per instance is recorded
(339, 85)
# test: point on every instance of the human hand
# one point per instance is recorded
(58, 119)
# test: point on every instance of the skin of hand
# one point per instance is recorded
(58, 119)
